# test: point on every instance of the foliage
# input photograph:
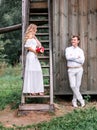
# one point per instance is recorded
(10, 43)
(12, 48)
(10, 12)
(87, 98)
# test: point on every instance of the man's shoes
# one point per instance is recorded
(82, 103)
(74, 104)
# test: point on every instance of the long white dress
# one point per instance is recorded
(33, 78)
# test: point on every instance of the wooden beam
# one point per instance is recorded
(10, 28)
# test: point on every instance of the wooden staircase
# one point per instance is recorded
(39, 13)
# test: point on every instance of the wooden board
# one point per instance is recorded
(36, 107)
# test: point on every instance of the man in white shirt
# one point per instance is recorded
(75, 59)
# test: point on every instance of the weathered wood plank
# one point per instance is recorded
(10, 28)
(92, 45)
(63, 44)
(73, 18)
(39, 5)
(83, 31)
(56, 43)
(36, 107)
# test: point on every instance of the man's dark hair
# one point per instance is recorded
(76, 36)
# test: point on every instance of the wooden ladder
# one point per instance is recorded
(39, 13)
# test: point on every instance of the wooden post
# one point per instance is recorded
(50, 47)
(25, 14)
(25, 17)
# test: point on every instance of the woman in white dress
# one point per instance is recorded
(33, 77)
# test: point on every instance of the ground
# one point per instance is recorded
(10, 117)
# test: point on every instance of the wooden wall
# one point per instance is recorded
(75, 17)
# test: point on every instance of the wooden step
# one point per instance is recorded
(37, 96)
(46, 85)
(36, 107)
(46, 49)
(38, 0)
(43, 57)
(38, 14)
(45, 66)
(44, 41)
(42, 34)
(39, 5)
(43, 27)
(46, 75)
(40, 21)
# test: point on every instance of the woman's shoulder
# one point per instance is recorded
(30, 40)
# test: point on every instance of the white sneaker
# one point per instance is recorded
(82, 103)
(74, 104)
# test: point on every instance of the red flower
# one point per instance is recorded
(40, 49)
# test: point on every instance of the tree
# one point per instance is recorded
(10, 43)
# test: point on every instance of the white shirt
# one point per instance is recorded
(74, 56)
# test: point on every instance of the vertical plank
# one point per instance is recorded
(83, 31)
(64, 86)
(73, 17)
(92, 46)
(56, 43)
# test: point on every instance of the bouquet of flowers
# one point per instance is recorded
(40, 49)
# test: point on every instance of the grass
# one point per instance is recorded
(10, 87)
(10, 94)
(77, 120)
(80, 119)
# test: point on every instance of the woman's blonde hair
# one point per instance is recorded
(31, 29)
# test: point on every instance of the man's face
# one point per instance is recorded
(75, 41)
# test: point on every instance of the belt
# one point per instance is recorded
(74, 67)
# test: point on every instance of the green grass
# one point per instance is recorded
(10, 94)
(80, 119)
(77, 120)
(10, 87)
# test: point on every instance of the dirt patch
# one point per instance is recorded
(9, 117)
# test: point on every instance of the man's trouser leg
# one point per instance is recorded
(75, 76)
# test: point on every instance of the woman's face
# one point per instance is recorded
(34, 30)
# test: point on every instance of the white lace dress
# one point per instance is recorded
(33, 78)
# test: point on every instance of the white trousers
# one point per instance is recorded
(75, 77)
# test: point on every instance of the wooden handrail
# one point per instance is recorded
(10, 28)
